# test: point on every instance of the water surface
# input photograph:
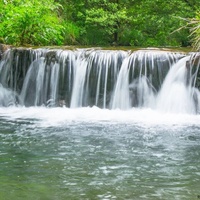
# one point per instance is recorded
(92, 153)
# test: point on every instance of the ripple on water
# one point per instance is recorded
(92, 157)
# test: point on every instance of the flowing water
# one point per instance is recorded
(110, 125)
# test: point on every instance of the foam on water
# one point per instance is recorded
(60, 116)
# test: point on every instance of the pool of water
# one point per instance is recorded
(90, 153)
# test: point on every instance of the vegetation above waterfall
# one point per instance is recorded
(100, 22)
(195, 31)
(31, 22)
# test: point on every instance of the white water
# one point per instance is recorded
(79, 79)
(47, 117)
(108, 79)
(175, 95)
(121, 98)
(7, 97)
(84, 67)
(140, 91)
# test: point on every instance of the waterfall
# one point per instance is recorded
(79, 81)
(121, 98)
(141, 74)
(7, 97)
(176, 94)
(110, 79)
(95, 74)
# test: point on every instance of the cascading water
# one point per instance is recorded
(104, 78)
(7, 97)
(176, 92)
(141, 75)
(100, 122)
(79, 81)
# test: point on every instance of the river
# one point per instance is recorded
(92, 153)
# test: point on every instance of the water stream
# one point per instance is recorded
(94, 124)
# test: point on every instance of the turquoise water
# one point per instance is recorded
(60, 153)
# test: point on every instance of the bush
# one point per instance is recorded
(35, 23)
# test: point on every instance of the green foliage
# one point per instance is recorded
(31, 22)
(104, 21)
(134, 22)
(195, 31)
(99, 22)
(72, 32)
(155, 21)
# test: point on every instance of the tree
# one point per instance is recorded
(104, 21)
(97, 22)
(155, 21)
